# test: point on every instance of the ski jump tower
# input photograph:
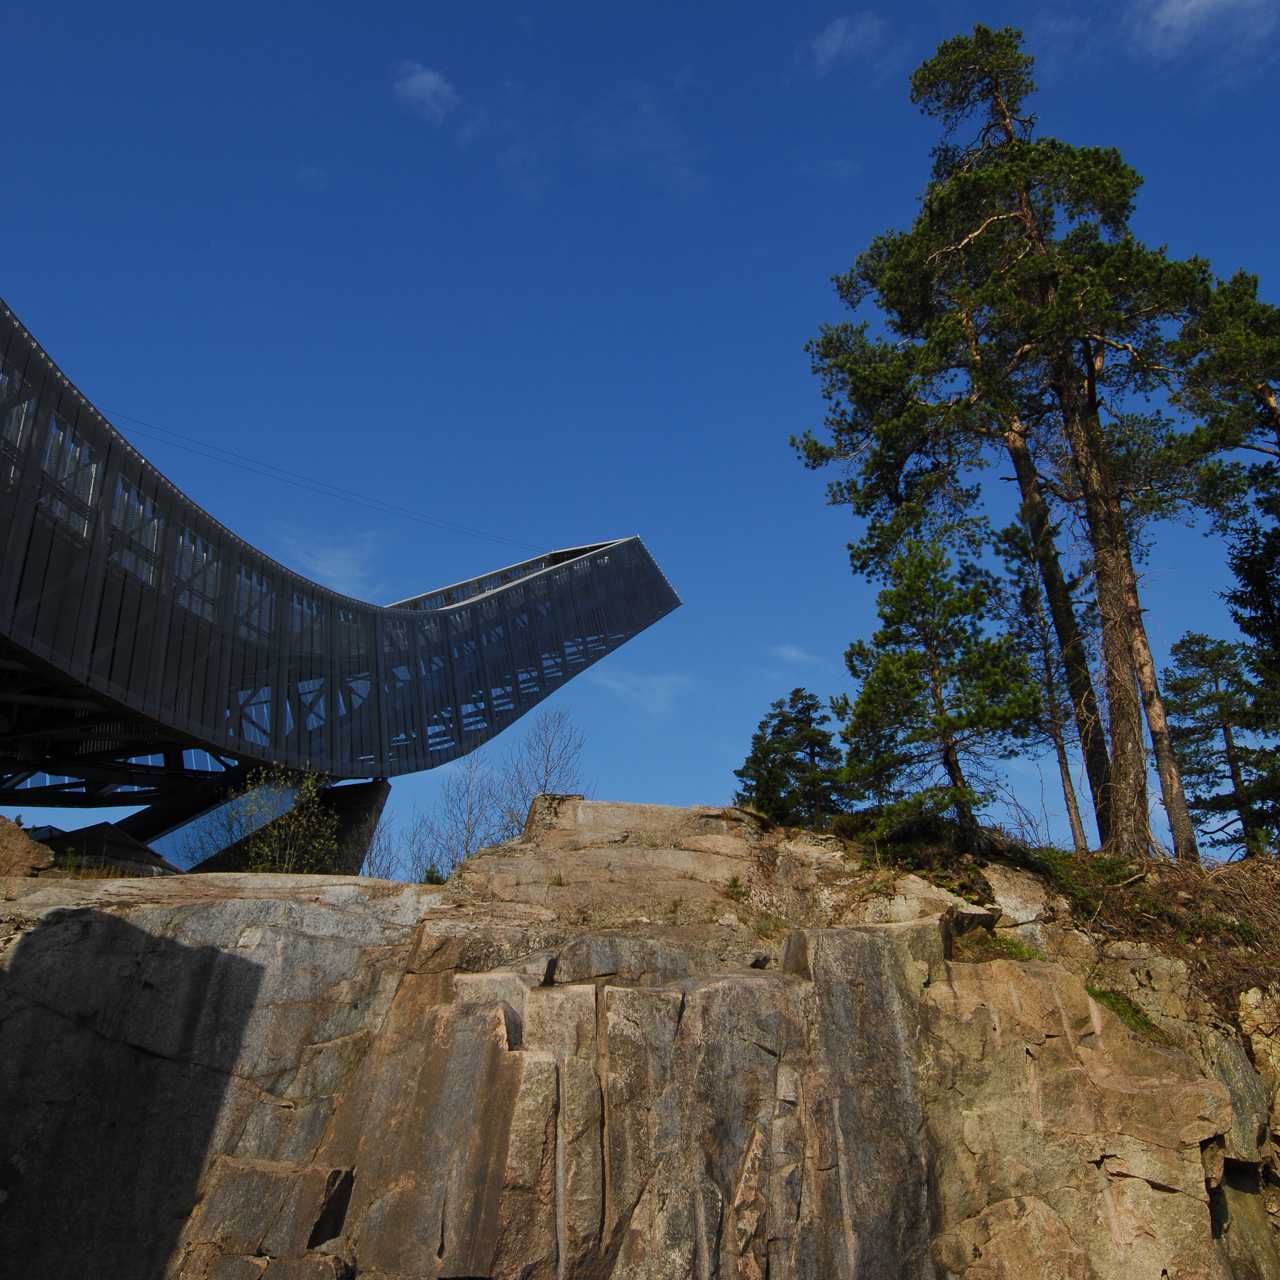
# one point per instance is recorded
(150, 657)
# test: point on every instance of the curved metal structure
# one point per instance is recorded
(146, 652)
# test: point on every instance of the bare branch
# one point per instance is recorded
(973, 235)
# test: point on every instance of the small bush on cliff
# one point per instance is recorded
(978, 945)
(280, 821)
(305, 837)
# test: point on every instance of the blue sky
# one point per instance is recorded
(547, 271)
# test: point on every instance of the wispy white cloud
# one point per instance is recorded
(653, 694)
(525, 134)
(509, 131)
(425, 91)
(1162, 29)
(1057, 36)
(635, 129)
(341, 564)
(844, 41)
(795, 656)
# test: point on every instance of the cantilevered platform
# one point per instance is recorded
(148, 656)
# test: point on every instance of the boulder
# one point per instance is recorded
(916, 899)
(1021, 896)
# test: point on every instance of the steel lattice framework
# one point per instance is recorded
(147, 653)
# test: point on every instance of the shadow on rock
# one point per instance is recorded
(116, 1048)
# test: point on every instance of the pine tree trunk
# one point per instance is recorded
(1175, 801)
(1118, 602)
(967, 823)
(1130, 823)
(1248, 819)
(1078, 837)
(1130, 833)
(1075, 657)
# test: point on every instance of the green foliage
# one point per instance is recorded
(735, 890)
(433, 875)
(978, 946)
(1214, 705)
(304, 838)
(1128, 1013)
(986, 74)
(792, 773)
(1228, 352)
(938, 699)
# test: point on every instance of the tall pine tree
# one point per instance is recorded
(1025, 320)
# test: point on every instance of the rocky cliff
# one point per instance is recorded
(639, 1042)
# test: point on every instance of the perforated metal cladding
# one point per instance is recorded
(117, 581)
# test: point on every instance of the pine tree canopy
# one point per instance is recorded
(938, 699)
(1230, 777)
(792, 774)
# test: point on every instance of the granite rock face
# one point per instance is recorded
(20, 855)
(542, 1070)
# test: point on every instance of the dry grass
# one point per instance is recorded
(68, 870)
(1223, 921)
(768, 926)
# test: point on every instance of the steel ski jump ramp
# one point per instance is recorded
(147, 653)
